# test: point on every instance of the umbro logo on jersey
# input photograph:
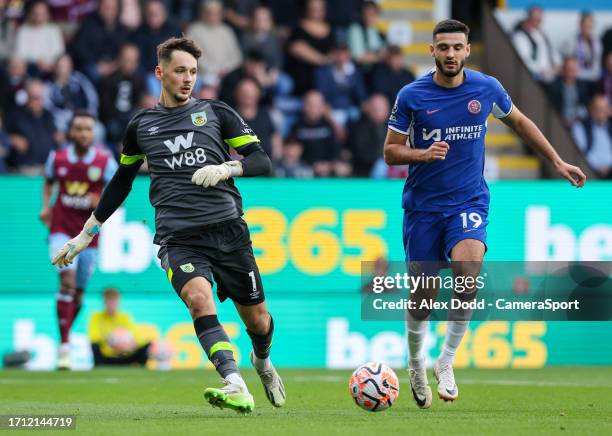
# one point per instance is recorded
(179, 141)
(429, 112)
(153, 130)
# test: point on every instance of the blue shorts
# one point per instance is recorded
(430, 236)
(84, 263)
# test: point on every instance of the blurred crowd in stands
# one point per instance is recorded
(315, 83)
(578, 79)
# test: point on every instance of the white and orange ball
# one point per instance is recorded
(374, 386)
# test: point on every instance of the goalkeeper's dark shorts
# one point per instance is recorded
(220, 251)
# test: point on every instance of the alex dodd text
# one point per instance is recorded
(500, 303)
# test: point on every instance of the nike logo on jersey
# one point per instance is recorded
(429, 112)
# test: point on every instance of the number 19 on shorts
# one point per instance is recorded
(470, 221)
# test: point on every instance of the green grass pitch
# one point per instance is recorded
(563, 400)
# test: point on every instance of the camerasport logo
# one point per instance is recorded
(474, 106)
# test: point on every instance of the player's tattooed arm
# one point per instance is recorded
(533, 136)
(397, 153)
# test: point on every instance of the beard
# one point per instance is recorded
(448, 73)
(82, 146)
(182, 97)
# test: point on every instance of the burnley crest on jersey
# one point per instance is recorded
(198, 118)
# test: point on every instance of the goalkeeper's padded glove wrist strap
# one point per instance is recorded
(235, 167)
(92, 226)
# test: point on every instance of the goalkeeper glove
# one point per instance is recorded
(68, 252)
(210, 175)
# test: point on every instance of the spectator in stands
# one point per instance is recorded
(114, 336)
(569, 94)
(606, 43)
(68, 91)
(605, 84)
(594, 136)
(391, 75)
(367, 44)
(38, 41)
(15, 9)
(155, 30)
(341, 84)
(340, 15)
(207, 93)
(120, 94)
(315, 130)
(587, 50)
(263, 37)
(291, 164)
(8, 27)
(286, 15)
(131, 14)
(535, 48)
(367, 136)
(310, 45)
(247, 96)
(71, 11)
(96, 44)
(32, 131)
(254, 67)
(238, 14)
(5, 148)
(12, 84)
(220, 49)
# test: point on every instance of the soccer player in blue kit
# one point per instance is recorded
(443, 118)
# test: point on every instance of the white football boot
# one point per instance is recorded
(272, 383)
(447, 388)
(421, 392)
(63, 358)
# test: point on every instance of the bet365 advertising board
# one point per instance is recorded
(310, 237)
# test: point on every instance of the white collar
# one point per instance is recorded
(87, 159)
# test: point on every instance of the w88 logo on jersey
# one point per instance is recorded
(190, 157)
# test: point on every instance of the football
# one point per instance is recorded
(374, 386)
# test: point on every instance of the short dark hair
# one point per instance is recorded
(165, 49)
(451, 26)
(110, 293)
(80, 113)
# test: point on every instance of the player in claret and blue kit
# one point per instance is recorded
(80, 172)
(442, 117)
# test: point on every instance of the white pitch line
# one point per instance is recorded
(314, 378)
(339, 379)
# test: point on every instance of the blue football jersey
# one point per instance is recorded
(427, 112)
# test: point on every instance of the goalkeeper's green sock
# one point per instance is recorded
(217, 346)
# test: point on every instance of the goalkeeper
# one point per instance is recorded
(198, 210)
